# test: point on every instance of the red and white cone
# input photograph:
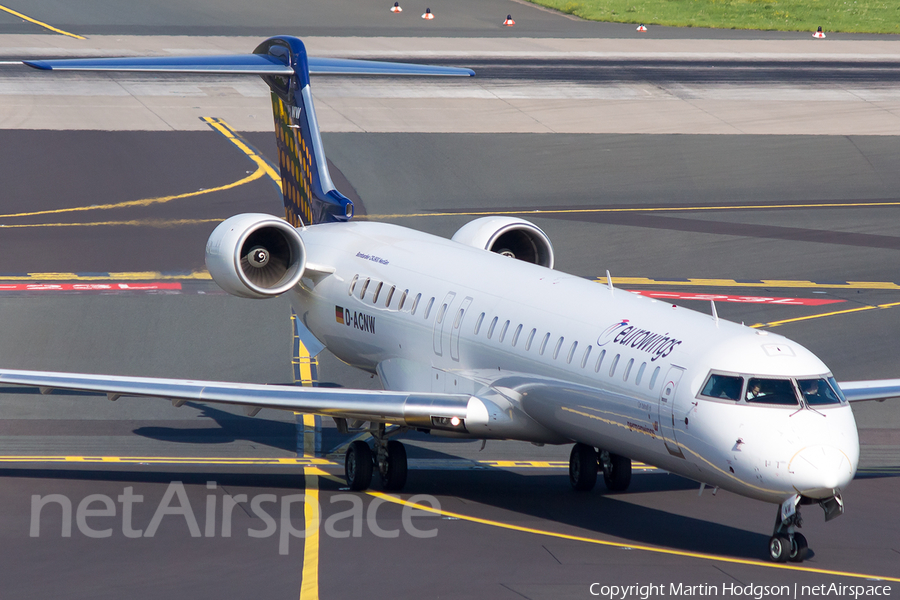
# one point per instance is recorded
(819, 33)
(641, 27)
(428, 15)
(396, 8)
(509, 21)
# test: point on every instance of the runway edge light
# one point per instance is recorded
(641, 27)
(819, 33)
(396, 8)
(509, 21)
(428, 15)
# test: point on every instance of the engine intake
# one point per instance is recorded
(255, 256)
(509, 236)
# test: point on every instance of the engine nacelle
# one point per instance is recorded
(255, 256)
(509, 236)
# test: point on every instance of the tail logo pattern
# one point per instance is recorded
(295, 162)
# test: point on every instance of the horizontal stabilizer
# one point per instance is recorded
(344, 66)
(243, 64)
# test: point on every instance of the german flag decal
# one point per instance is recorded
(339, 315)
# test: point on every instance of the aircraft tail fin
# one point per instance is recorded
(310, 196)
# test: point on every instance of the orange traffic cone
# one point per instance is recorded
(396, 8)
(428, 15)
(509, 21)
(641, 27)
(819, 33)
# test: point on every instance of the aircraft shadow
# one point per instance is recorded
(232, 428)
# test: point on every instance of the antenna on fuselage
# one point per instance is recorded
(715, 315)
(609, 281)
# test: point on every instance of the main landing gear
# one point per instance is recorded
(585, 462)
(389, 457)
(786, 544)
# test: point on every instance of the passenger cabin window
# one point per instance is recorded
(612, 368)
(587, 354)
(817, 392)
(441, 313)
(458, 319)
(727, 387)
(516, 335)
(353, 284)
(387, 301)
(478, 323)
(402, 299)
(503, 331)
(628, 369)
(640, 374)
(771, 391)
(571, 353)
(365, 286)
(653, 377)
(415, 304)
(559, 344)
(377, 291)
(428, 308)
(544, 343)
(599, 361)
(530, 339)
(491, 328)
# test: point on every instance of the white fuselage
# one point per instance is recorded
(553, 358)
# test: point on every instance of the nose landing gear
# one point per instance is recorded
(786, 544)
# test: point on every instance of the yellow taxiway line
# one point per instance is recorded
(306, 461)
(41, 23)
(637, 209)
(827, 314)
(589, 540)
(765, 283)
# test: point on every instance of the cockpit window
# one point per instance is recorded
(817, 392)
(723, 386)
(771, 391)
(837, 388)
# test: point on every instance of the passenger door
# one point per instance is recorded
(439, 321)
(456, 327)
(667, 410)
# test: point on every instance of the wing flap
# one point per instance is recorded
(414, 410)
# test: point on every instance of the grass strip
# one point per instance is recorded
(855, 16)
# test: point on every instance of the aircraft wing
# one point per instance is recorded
(876, 389)
(434, 411)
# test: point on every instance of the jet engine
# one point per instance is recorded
(255, 256)
(509, 236)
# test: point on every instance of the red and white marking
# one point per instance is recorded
(509, 21)
(396, 8)
(428, 14)
(89, 287)
(641, 28)
(746, 299)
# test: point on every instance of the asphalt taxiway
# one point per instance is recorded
(748, 218)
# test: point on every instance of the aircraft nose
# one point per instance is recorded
(821, 471)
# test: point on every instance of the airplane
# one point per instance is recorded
(478, 337)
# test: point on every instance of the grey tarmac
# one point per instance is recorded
(440, 174)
